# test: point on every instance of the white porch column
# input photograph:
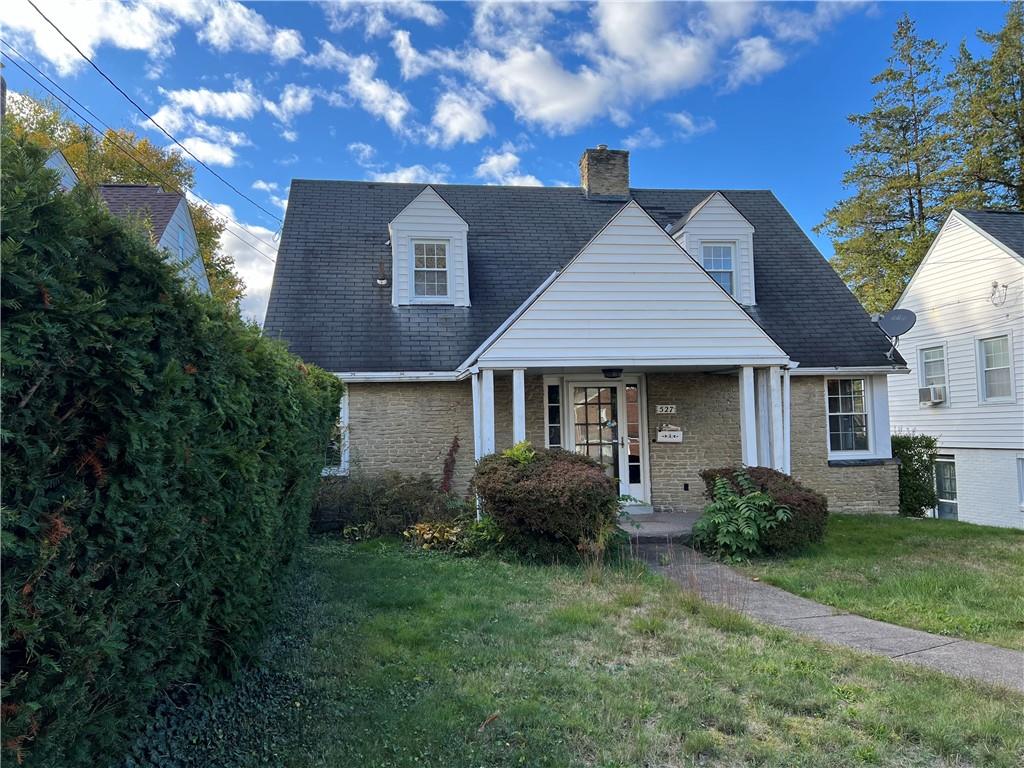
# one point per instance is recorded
(486, 412)
(477, 436)
(518, 406)
(778, 451)
(787, 425)
(748, 420)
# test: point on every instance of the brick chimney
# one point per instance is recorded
(605, 173)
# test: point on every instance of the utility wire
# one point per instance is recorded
(131, 155)
(149, 116)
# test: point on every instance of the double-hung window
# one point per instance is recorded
(933, 367)
(430, 269)
(995, 375)
(718, 260)
(847, 415)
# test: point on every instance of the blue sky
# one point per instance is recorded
(706, 95)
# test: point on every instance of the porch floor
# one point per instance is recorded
(660, 526)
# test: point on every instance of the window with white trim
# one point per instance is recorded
(848, 429)
(945, 488)
(553, 415)
(1020, 481)
(430, 269)
(995, 376)
(932, 367)
(719, 262)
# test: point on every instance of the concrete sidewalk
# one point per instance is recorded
(722, 585)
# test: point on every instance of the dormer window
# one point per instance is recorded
(430, 269)
(719, 261)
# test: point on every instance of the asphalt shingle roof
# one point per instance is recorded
(145, 200)
(326, 305)
(1005, 226)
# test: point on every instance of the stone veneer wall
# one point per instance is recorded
(860, 489)
(408, 427)
(707, 408)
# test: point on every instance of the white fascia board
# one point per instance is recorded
(469, 361)
(864, 370)
(634, 362)
(367, 377)
(988, 236)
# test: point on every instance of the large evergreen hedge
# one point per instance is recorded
(159, 461)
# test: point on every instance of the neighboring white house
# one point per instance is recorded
(57, 162)
(966, 354)
(169, 220)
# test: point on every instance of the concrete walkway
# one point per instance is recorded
(722, 585)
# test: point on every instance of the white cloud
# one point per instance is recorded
(414, 174)
(233, 26)
(256, 270)
(374, 95)
(209, 152)
(176, 120)
(363, 152)
(265, 186)
(790, 25)
(294, 100)
(643, 139)
(413, 62)
(503, 168)
(459, 116)
(503, 25)
(240, 102)
(754, 58)
(687, 126)
(376, 16)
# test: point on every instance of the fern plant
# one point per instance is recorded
(734, 522)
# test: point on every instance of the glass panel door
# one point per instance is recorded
(596, 425)
(945, 488)
(632, 443)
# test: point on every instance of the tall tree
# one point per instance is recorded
(987, 115)
(121, 157)
(900, 175)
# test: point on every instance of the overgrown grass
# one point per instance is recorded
(941, 576)
(418, 659)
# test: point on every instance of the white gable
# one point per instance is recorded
(429, 217)
(632, 297)
(179, 237)
(715, 220)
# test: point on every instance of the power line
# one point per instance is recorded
(118, 145)
(149, 116)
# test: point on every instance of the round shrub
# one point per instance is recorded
(808, 508)
(550, 496)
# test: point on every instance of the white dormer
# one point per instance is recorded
(429, 263)
(721, 240)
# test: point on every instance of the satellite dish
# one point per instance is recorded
(897, 322)
(894, 324)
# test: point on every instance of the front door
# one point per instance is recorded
(605, 424)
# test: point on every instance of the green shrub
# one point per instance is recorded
(808, 509)
(159, 461)
(553, 500)
(916, 454)
(386, 503)
(736, 522)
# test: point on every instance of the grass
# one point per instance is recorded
(941, 576)
(400, 658)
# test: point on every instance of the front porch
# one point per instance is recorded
(654, 430)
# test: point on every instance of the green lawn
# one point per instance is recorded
(937, 575)
(387, 657)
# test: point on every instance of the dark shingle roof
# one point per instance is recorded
(325, 304)
(144, 200)
(1005, 226)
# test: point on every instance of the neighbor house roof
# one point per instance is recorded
(145, 200)
(1005, 226)
(325, 302)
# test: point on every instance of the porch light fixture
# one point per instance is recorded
(382, 277)
(612, 373)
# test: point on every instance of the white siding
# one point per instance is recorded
(718, 221)
(182, 222)
(429, 217)
(951, 296)
(986, 486)
(632, 297)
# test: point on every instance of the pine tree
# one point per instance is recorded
(988, 115)
(900, 176)
(103, 160)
